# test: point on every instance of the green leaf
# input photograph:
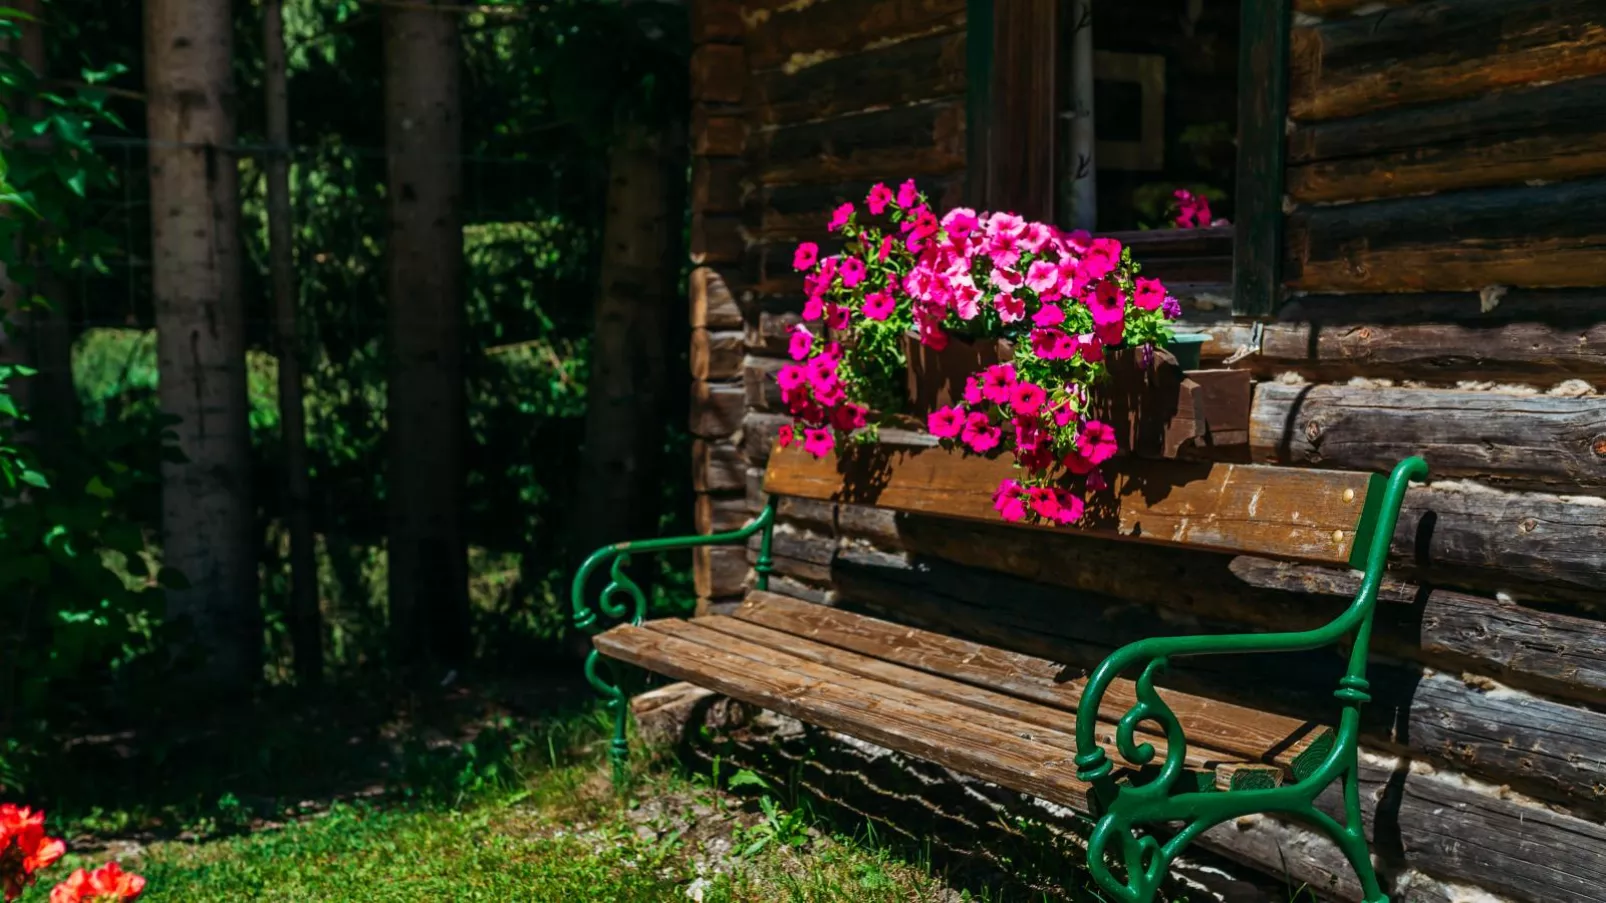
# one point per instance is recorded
(746, 778)
(99, 489)
(35, 478)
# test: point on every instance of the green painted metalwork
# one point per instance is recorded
(1121, 806)
(623, 601)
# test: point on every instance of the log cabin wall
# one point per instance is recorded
(1446, 295)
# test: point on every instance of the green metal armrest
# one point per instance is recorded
(622, 601)
(1122, 806)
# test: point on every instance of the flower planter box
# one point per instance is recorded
(937, 378)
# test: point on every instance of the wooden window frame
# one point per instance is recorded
(1012, 107)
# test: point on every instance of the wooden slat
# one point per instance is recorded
(1440, 50)
(1275, 512)
(888, 716)
(904, 73)
(796, 35)
(1232, 730)
(1262, 105)
(1024, 107)
(916, 141)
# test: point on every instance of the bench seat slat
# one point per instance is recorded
(1276, 512)
(880, 714)
(1237, 732)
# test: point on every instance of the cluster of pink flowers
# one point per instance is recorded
(1193, 210)
(25, 850)
(1063, 298)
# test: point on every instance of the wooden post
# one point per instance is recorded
(1262, 113)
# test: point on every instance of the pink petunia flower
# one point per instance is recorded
(1049, 315)
(806, 256)
(1070, 507)
(1148, 294)
(784, 436)
(852, 271)
(818, 442)
(849, 417)
(1102, 257)
(1009, 501)
(979, 433)
(1043, 278)
(973, 394)
(886, 248)
(1096, 481)
(791, 377)
(840, 217)
(1007, 280)
(801, 342)
(1044, 502)
(1026, 399)
(946, 423)
(1097, 442)
(880, 197)
(814, 308)
(1010, 308)
(996, 383)
(821, 368)
(1036, 236)
(1064, 414)
(908, 194)
(1107, 305)
(878, 306)
(829, 393)
(1089, 347)
(838, 318)
(966, 300)
(960, 222)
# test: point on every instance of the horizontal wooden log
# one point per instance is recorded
(720, 513)
(903, 73)
(796, 35)
(717, 238)
(921, 140)
(1516, 440)
(1552, 236)
(716, 410)
(792, 213)
(716, 184)
(718, 73)
(758, 435)
(1343, 7)
(717, 466)
(801, 554)
(713, 306)
(719, 572)
(717, 134)
(758, 378)
(767, 333)
(716, 21)
(1275, 512)
(716, 355)
(1552, 132)
(1526, 335)
(1439, 50)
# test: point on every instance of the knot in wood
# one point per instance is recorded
(1313, 431)
(1598, 446)
(1528, 525)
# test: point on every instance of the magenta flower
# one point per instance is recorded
(784, 436)
(818, 442)
(829, 393)
(814, 308)
(1035, 237)
(849, 417)
(973, 394)
(932, 336)
(791, 378)
(960, 222)
(1069, 507)
(1010, 308)
(806, 256)
(840, 217)
(838, 318)
(1064, 414)
(908, 194)
(1102, 257)
(886, 248)
(1026, 399)
(1049, 315)
(1049, 344)
(801, 342)
(1007, 280)
(1148, 294)
(946, 423)
(880, 197)
(1097, 441)
(996, 382)
(1096, 481)
(1043, 278)
(821, 368)
(1107, 305)
(979, 433)
(966, 301)
(879, 305)
(852, 271)
(1009, 501)
(1044, 502)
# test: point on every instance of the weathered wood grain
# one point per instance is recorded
(716, 21)
(717, 466)
(719, 513)
(716, 239)
(758, 378)
(886, 715)
(1025, 106)
(716, 355)
(1551, 236)
(1343, 7)
(1357, 65)
(713, 306)
(1263, 99)
(758, 435)
(716, 410)
(718, 73)
(1515, 440)
(903, 73)
(717, 184)
(916, 141)
(717, 134)
(719, 572)
(798, 35)
(1269, 511)
(1551, 132)
(1529, 335)
(1244, 733)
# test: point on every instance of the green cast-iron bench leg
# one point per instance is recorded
(622, 601)
(1121, 807)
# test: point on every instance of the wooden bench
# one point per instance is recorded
(1003, 716)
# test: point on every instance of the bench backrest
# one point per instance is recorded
(1321, 516)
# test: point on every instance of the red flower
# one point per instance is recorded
(24, 848)
(107, 884)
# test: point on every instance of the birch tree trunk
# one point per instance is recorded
(306, 626)
(207, 512)
(1081, 169)
(428, 569)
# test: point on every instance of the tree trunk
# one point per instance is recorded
(428, 570)
(629, 386)
(1081, 171)
(306, 626)
(207, 513)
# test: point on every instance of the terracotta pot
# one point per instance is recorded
(937, 378)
